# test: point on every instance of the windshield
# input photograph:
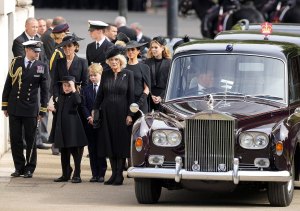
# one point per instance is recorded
(257, 76)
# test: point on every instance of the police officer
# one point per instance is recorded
(20, 103)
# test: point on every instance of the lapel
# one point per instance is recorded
(152, 67)
(74, 66)
(28, 73)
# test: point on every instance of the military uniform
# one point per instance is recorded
(20, 100)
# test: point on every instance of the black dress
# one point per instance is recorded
(114, 97)
(141, 73)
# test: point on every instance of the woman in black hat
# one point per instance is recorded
(114, 96)
(70, 65)
(69, 132)
(141, 72)
(159, 61)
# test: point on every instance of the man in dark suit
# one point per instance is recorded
(20, 103)
(47, 40)
(141, 38)
(111, 32)
(120, 22)
(30, 33)
(95, 51)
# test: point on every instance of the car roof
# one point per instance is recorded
(255, 35)
(276, 27)
(256, 47)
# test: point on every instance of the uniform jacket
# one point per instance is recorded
(18, 48)
(94, 55)
(69, 131)
(159, 79)
(21, 99)
(78, 69)
(48, 43)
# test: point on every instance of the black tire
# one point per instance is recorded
(280, 194)
(147, 191)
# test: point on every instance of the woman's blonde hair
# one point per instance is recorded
(58, 36)
(122, 59)
(95, 68)
(165, 53)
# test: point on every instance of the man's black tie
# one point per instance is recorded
(95, 91)
(28, 65)
(97, 45)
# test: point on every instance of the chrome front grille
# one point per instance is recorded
(210, 143)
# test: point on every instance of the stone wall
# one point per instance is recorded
(13, 14)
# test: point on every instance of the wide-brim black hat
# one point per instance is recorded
(115, 50)
(69, 39)
(123, 37)
(134, 44)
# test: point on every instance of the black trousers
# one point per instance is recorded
(16, 133)
(66, 153)
(98, 164)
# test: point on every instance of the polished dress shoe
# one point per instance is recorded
(76, 180)
(100, 179)
(61, 179)
(17, 173)
(94, 179)
(42, 146)
(28, 174)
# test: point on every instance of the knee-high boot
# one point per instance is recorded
(113, 164)
(120, 167)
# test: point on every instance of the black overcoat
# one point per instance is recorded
(78, 69)
(94, 55)
(114, 97)
(69, 131)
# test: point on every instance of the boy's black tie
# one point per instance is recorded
(94, 90)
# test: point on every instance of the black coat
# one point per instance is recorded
(78, 69)
(69, 131)
(159, 78)
(114, 97)
(19, 50)
(48, 43)
(94, 55)
(22, 99)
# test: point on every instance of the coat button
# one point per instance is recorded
(28, 94)
(27, 98)
(29, 90)
(18, 92)
(30, 84)
(18, 97)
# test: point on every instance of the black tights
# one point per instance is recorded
(66, 153)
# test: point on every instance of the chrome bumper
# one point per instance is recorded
(179, 174)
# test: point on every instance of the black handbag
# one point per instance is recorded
(97, 118)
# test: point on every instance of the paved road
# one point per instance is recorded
(155, 23)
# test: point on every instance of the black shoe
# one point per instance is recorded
(76, 180)
(119, 180)
(94, 179)
(17, 173)
(55, 153)
(42, 146)
(61, 179)
(100, 179)
(110, 181)
(28, 174)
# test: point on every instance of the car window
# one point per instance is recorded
(219, 73)
(294, 79)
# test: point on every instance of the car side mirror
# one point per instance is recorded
(135, 108)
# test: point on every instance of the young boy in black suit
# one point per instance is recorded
(98, 164)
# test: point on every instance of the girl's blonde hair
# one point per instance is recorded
(165, 53)
(122, 59)
(95, 68)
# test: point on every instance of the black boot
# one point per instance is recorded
(120, 167)
(113, 164)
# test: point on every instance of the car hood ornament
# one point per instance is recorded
(210, 102)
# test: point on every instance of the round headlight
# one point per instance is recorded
(261, 141)
(174, 138)
(159, 138)
(246, 140)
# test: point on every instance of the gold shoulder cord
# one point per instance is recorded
(17, 74)
(53, 57)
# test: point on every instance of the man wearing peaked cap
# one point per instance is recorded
(20, 102)
(95, 51)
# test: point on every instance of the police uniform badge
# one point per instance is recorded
(40, 69)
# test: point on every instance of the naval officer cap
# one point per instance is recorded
(97, 25)
(35, 45)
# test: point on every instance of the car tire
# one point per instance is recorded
(147, 191)
(280, 194)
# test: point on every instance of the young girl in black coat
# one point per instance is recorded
(69, 132)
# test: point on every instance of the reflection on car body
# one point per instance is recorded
(242, 129)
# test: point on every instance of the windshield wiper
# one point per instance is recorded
(270, 97)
